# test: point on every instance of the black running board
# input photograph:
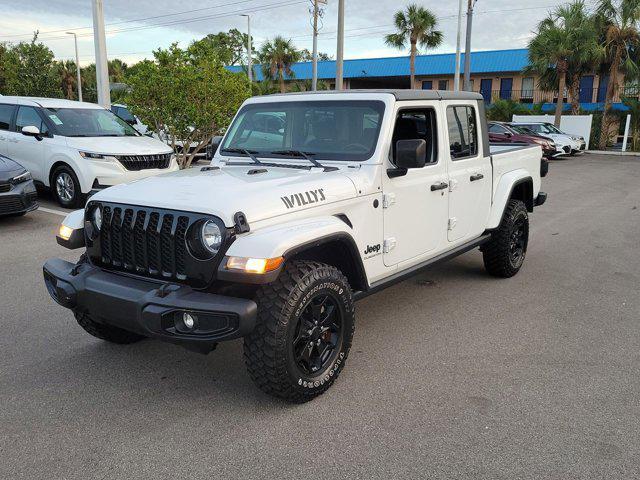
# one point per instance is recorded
(400, 276)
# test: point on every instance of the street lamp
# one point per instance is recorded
(249, 62)
(75, 38)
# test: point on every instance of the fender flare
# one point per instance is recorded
(503, 192)
(289, 240)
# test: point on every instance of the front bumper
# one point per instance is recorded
(20, 198)
(149, 308)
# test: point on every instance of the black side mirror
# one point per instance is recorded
(411, 153)
(131, 122)
(213, 146)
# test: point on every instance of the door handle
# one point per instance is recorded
(439, 186)
(477, 176)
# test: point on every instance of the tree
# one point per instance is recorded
(190, 102)
(417, 26)
(584, 57)
(307, 56)
(504, 110)
(565, 43)
(31, 71)
(3, 60)
(277, 56)
(618, 22)
(67, 73)
(117, 70)
(228, 47)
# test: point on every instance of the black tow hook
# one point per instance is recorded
(166, 289)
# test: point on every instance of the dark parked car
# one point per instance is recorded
(504, 133)
(17, 191)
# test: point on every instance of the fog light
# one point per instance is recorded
(188, 320)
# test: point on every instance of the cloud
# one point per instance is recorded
(495, 25)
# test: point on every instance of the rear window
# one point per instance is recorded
(6, 111)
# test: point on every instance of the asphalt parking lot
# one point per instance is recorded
(453, 374)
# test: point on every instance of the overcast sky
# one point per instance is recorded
(497, 24)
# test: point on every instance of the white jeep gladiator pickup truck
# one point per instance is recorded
(312, 201)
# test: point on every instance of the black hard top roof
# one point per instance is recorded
(401, 94)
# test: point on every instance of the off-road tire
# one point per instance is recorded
(106, 332)
(268, 350)
(497, 254)
(78, 198)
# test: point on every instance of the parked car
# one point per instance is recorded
(274, 243)
(77, 148)
(574, 143)
(123, 112)
(17, 190)
(500, 132)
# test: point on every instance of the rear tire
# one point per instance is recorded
(504, 254)
(66, 187)
(304, 332)
(106, 332)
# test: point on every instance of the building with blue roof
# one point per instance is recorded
(495, 74)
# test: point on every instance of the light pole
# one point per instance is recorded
(467, 49)
(249, 60)
(75, 38)
(314, 75)
(340, 49)
(456, 79)
(102, 67)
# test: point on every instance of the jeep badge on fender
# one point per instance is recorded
(207, 255)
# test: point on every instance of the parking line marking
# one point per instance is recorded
(55, 212)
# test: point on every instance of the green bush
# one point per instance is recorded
(504, 110)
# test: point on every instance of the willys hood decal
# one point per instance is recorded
(258, 192)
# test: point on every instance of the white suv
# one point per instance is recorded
(76, 148)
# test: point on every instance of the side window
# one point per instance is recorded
(28, 116)
(6, 111)
(463, 135)
(416, 125)
(495, 128)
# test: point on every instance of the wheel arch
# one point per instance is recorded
(515, 185)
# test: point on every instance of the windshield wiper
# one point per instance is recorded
(251, 154)
(306, 155)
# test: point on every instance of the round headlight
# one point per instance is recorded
(211, 236)
(97, 218)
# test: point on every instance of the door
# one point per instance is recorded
(486, 84)
(586, 89)
(506, 86)
(427, 85)
(415, 203)
(29, 151)
(470, 174)
(6, 112)
(602, 88)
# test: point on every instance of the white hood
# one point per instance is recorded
(119, 145)
(230, 189)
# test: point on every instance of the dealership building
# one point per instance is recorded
(495, 74)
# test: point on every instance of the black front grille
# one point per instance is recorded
(11, 204)
(5, 187)
(144, 162)
(147, 242)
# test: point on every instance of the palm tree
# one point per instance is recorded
(277, 56)
(566, 44)
(417, 26)
(619, 26)
(67, 72)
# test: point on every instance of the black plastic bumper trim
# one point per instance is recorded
(143, 307)
(540, 199)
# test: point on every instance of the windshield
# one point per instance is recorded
(522, 130)
(328, 130)
(89, 122)
(551, 128)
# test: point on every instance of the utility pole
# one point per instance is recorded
(467, 49)
(456, 78)
(314, 75)
(249, 60)
(75, 38)
(340, 49)
(102, 67)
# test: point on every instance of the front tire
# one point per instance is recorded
(66, 187)
(106, 332)
(304, 332)
(504, 254)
